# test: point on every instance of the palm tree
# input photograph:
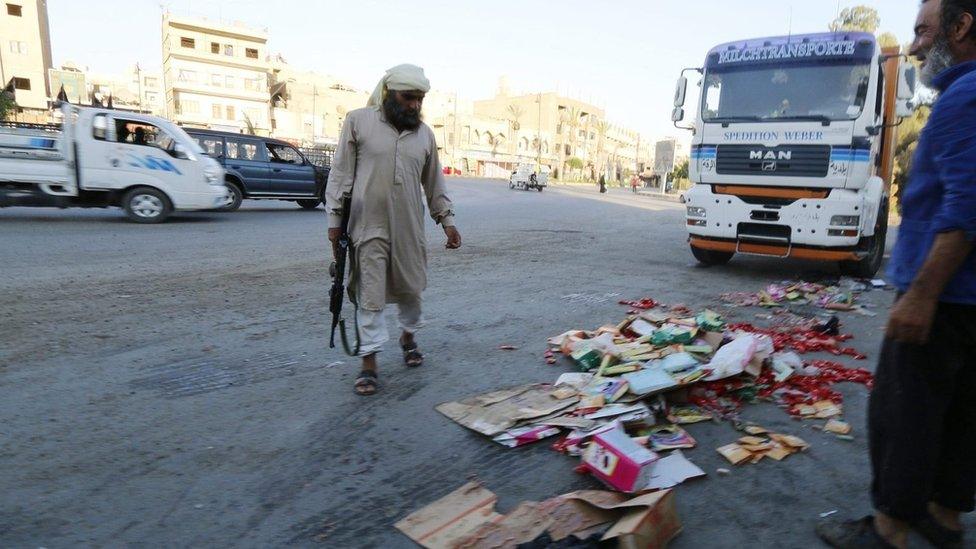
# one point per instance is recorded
(570, 119)
(602, 127)
(515, 113)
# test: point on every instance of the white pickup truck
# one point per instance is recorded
(793, 145)
(97, 158)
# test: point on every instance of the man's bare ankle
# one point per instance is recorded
(369, 362)
(947, 518)
(893, 531)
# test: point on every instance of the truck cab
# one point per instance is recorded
(263, 168)
(791, 154)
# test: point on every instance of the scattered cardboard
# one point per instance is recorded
(619, 462)
(672, 470)
(493, 413)
(442, 523)
(837, 427)
(734, 453)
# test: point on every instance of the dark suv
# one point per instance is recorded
(263, 168)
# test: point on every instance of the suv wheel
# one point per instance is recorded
(236, 197)
(309, 203)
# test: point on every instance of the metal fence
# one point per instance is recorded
(320, 155)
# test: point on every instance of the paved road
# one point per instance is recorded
(171, 386)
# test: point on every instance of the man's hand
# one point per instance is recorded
(911, 319)
(453, 237)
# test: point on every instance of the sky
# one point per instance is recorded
(622, 55)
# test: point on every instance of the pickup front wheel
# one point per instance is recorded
(236, 197)
(146, 205)
(711, 257)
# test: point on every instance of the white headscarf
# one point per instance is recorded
(399, 78)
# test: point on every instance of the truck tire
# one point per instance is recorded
(711, 257)
(309, 203)
(146, 205)
(236, 197)
(875, 246)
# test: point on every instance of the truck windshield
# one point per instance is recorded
(818, 91)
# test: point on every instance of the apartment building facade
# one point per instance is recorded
(215, 74)
(25, 56)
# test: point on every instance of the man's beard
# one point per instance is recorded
(401, 117)
(938, 59)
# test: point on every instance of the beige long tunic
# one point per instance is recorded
(391, 174)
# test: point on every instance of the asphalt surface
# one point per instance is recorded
(171, 385)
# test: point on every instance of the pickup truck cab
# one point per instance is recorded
(262, 168)
(98, 158)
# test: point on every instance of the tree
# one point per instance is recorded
(7, 105)
(574, 163)
(680, 171)
(602, 127)
(905, 146)
(888, 40)
(515, 113)
(858, 18)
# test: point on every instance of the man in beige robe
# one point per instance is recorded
(388, 159)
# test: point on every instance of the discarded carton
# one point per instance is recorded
(442, 523)
(672, 470)
(650, 380)
(525, 435)
(734, 453)
(669, 437)
(618, 461)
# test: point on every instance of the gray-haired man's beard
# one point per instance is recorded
(938, 59)
(401, 118)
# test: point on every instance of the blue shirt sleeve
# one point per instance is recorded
(953, 132)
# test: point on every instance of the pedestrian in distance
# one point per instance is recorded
(386, 161)
(922, 410)
(603, 184)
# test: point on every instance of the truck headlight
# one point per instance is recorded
(694, 211)
(845, 220)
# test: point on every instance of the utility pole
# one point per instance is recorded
(139, 77)
(315, 92)
(457, 137)
(538, 138)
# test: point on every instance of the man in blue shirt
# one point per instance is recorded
(922, 413)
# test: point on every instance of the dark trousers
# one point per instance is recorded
(922, 419)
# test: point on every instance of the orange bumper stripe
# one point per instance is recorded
(773, 250)
(769, 192)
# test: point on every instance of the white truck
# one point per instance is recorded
(525, 177)
(793, 148)
(101, 157)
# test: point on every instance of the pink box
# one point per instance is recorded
(618, 461)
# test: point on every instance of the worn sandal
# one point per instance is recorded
(411, 356)
(366, 383)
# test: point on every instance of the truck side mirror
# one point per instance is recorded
(680, 89)
(678, 114)
(907, 81)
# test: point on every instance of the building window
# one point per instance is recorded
(230, 112)
(152, 97)
(18, 47)
(22, 83)
(151, 82)
(228, 50)
(187, 106)
(252, 53)
(188, 42)
(214, 47)
(188, 76)
(251, 84)
(229, 81)
(216, 111)
(15, 10)
(216, 80)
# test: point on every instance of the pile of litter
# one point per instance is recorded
(614, 410)
(841, 295)
(640, 381)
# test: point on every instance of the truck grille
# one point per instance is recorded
(783, 161)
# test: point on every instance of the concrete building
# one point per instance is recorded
(569, 137)
(25, 56)
(308, 108)
(135, 90)
(216, 74)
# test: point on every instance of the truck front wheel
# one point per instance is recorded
(711, 257)
(146, 205)
(875, 246)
